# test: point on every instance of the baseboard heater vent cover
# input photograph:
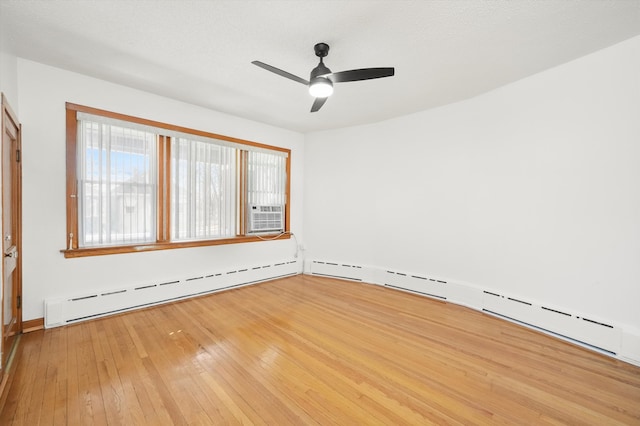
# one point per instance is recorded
(561, 322)
(336, 270)
(425, 286)
(68, 310)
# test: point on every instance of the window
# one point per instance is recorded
(137, 185)
(203, 177)
(116, 185)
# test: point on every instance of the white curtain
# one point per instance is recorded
(203, 180)
(116, 185)
(266, 179)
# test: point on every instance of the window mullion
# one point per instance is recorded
(167, 189)
(163, 214)
(160, 189)
(241, 195)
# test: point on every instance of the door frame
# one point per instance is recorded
(9, 116)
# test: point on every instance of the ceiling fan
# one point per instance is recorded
(321, 79)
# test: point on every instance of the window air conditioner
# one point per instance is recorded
(266, 219)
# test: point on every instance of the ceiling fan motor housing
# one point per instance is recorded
(322, 50)
(319, 71)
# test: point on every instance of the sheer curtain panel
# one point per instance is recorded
(116, 185)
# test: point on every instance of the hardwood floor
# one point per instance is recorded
(309, 350)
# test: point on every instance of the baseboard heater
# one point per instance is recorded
(424, 286)
(582, 329)
(563, 323)
(558, 335)
(81, 307)
(336, 270)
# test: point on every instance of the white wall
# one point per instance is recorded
(8, 73)
(43, 91)
(532, 189)
(8, 78)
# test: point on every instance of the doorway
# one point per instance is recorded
(11, 231)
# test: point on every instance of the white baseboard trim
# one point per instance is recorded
(616, 340)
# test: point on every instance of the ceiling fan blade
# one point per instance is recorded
(317, 104)
(361, 74)
(280, 72)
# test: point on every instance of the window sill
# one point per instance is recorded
(101, 251)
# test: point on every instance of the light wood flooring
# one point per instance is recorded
(310, 350)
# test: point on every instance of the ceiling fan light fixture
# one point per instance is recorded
(321, 87)
(321, 78)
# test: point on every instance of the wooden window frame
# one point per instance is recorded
(163, 237)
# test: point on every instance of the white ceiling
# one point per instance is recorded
(200, 52)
